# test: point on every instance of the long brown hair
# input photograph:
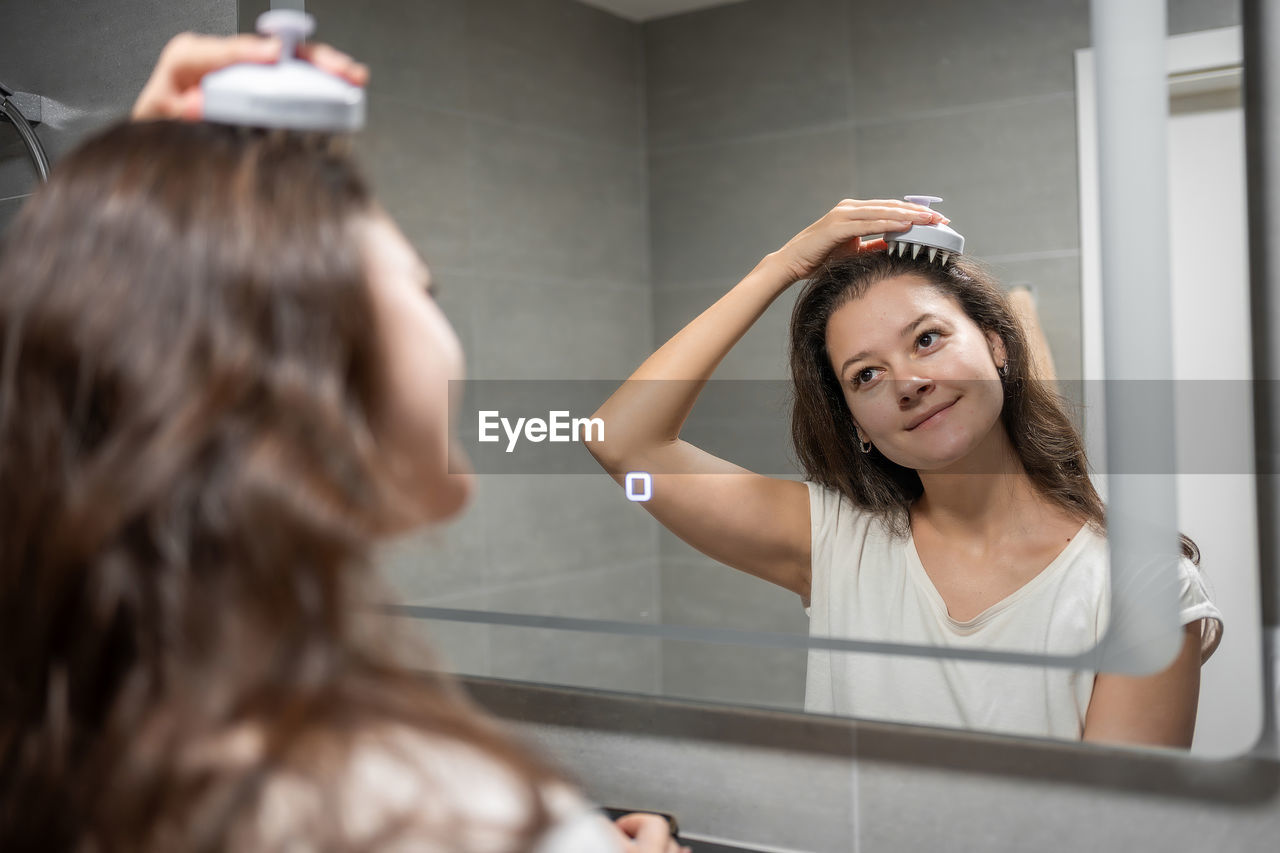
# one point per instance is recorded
(190, 497)
(1034, 414)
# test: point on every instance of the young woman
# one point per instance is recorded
(946, 503)
(221, 380)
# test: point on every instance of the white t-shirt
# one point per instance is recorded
(868, 584)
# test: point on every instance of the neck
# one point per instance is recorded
(986, 495)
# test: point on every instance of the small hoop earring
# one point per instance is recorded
(866, 446)
(1004, 370)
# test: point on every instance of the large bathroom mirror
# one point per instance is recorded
(586, 178)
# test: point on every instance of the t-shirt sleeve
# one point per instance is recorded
(824, 511)
(1194, 602)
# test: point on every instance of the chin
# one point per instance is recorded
(449, 497)
(939, 452)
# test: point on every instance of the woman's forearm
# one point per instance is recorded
(650, 408)
(1024, 307)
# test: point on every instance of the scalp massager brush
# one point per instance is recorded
(291, 93)
(939, 240)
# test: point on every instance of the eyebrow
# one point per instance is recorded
(906, 330)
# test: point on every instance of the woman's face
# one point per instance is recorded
(419, 354)
(920, 378)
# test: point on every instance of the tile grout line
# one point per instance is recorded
(857, 124)
(518, 586)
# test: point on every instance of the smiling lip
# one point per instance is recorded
(931, 413)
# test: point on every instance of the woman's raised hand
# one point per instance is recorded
(840, 232)
(174, 88)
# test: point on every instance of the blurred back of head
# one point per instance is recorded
(191, 488)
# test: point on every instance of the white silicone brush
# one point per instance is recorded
(291, 93)
(938, 241)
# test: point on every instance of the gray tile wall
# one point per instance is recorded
(749, 114)
(764, 114)
(91, 58)
(507, 139)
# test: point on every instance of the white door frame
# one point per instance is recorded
(1193, 57)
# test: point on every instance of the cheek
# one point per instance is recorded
(421, 356)
(969, 361)
(977, 378)
(868, 412)
(991, 399)
(421, 362)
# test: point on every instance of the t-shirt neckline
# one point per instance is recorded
(916, 568)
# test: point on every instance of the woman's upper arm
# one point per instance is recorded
(754, 523)
(1156, 710)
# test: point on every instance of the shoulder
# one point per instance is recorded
(1194, 595)
(1195, 603)
(836, 527)
(424, 792)
(1084, 577)
(831, 510)
(1091, 555)
(843, 536)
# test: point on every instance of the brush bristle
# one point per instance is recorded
(902, 249)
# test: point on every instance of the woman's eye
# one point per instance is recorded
(863, 376)
(924, 341)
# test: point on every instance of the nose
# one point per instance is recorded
(912, 389)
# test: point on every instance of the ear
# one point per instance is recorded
(998, 353)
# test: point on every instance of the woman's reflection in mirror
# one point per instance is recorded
(946, 499)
